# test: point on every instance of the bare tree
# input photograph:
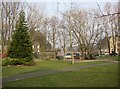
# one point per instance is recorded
(53, 23)
(86, 30)
(8, 18)
(63, 36)
(34, 18)
(112, 23)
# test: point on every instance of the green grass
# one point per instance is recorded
(40, 65)
(0, 71)
(114, 58)
(99, 76)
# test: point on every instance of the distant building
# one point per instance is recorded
(40, 44)
(115, 45)
(38, 48)
(103, 46)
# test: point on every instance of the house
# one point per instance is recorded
(40, 44)
(114, 45)
(37, 47)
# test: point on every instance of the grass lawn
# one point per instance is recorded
(114, 58)
(99, 76)
(0, 67)
(40, 65)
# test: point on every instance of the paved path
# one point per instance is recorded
(48, 72)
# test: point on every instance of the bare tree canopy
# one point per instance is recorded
(84, 28)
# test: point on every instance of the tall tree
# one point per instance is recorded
(21, 46)
(9, 16)
(53, 24)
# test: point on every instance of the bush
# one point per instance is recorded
(16, 62)
(27, 62)
(30, 63)
(24, 61)
(91, 56)
(6, 62)
(60, 57)
(35, 55)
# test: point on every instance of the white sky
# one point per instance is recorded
(51, 5)
(71, 0)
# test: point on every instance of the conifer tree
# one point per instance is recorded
(21, 45)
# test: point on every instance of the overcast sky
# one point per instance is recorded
(51, 7)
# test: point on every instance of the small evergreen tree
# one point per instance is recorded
(21, 46)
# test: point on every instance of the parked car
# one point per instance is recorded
(68, 56)
(76, 55)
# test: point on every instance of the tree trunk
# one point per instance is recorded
(2, 33)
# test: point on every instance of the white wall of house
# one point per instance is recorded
(116, 44)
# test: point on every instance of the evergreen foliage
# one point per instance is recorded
(21, 45)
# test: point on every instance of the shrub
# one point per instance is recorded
(30, 63)
(35, 55)
(6, 62)
(14, 61)
(90, 56)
